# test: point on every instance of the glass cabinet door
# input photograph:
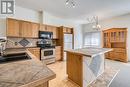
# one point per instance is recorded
(106, 39)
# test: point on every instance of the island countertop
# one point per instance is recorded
(26, 73)
(89, 51)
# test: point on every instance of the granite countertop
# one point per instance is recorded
(89, 51)
(25, 73)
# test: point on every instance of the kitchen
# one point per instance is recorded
(45, 42)
(59, 44)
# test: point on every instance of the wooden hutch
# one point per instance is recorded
(116, 38)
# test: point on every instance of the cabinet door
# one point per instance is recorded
(35, 30)
(12, 28)
(49, 28)
(114, 36)
(43, 27)
(58, 52)
(122, 36)
(55, 32)
(65, 30)
(26, 29)
(106, 36)
(69, 30)
(35, 52)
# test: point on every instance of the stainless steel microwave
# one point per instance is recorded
(45, 35)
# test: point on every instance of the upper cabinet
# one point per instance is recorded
(18, 28)
(43, 27)
(35, 29)
(25, 29)
(53, 29)
(55, 33)
(118, 36)
(106, 39)
(67, 30)
(49, 28)
(114, 37)
(13, 28)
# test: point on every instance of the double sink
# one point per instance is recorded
(13, 57)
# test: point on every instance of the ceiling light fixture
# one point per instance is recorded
(67, 2)
(95, 21)
(71, 3)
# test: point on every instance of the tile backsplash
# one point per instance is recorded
(21, 42)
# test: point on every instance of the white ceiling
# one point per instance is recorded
(83, 10)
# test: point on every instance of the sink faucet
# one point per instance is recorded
(2, 46)
(1, 49)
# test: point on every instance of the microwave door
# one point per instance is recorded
(45, 35)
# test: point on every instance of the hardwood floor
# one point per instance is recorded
(61, 79)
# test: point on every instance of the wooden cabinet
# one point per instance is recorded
(55, 33)
(25, 29)
(106, 39)
(29, 29)
(49, 28)
(35, 29)
(62, 31)
(13, 28)
(35, 52)
(58, 52)
(19, 28)
(67, 30)
(54, 30)
(116, 38)
(43, 27)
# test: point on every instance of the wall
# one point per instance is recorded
(122, 21)
(52, 20)
(20, 13)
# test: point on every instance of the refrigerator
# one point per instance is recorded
(68, 43)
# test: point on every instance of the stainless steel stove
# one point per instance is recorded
(47, 51)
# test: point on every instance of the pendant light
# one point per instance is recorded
(95, 22)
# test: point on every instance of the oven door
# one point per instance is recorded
(47, 53)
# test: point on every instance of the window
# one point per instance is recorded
(92, 39)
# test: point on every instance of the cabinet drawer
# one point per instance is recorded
(120, 50)
(120, 55)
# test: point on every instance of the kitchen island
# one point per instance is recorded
(85, 65)
(25, 73)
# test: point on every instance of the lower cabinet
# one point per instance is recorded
(58, 53)
(35, 51)
(117, 54)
